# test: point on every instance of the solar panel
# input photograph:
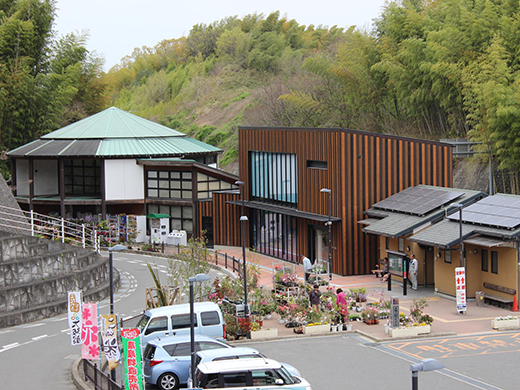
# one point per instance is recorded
(496, 211)
(417, 200)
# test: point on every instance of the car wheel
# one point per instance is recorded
(168, 381)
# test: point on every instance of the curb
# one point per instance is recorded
(78, 376)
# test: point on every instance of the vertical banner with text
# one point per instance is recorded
(460, 288)
(109, 340)
(132, 359)
(75, 314)
(89, 333)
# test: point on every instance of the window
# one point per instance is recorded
(212, 381)
(182, 321)
(206, 184)
(485, 262)
(447, 257)
(82, 177)
(400, 244)
(274, 177)
(157, 324)
(182, 349)
(387, 242)
(181, 217)
(205, 345)
(209, 318)
(263, 377)
(315, 164)
(169, 184)
(494, 262)
(237, 379)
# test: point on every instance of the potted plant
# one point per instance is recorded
(370, 316)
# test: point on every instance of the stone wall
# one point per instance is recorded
(36, 275)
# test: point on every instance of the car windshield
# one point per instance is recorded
(142, 322)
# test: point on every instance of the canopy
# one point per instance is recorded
(156, 216)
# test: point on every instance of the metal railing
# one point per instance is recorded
(40, 225)
(222, 259)
(99, 379)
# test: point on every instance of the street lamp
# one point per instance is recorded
(197, 278)
(329, 223)
(117, 247)
(461, 245)
(425, 365)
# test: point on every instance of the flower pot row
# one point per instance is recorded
(410, 331)
(505, 324)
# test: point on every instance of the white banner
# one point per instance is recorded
(109, 340)
(460, 288)
(75, 317)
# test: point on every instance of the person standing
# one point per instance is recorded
(341, 302)
(314, 298)
(414, 266)
(307, 267)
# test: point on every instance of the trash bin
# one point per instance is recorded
(479, 295)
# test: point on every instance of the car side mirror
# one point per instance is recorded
(278, 381)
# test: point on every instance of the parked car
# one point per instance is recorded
(213, 355)
(175, 320)
(264, 374)
(167, 361)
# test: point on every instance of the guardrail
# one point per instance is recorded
(99, 379)
(40, 225)
(227, 262)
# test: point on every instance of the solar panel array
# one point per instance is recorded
(496, 211)
(418, 200)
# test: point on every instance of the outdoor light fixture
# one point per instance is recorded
(117, 247)
(461, 245)
(197, 278)
(329, 223)
(243, 220)
(425, 365)
(408, 248)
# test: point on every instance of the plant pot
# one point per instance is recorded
(348, 327)
(281, 321)
(264, 334)
(268, 316)
(505, 324)
(317, 329)
(411, 331)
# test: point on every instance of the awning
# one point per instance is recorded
(484, 241)
(396, 253)
(368, 221)
(156, 216)
(285, 210)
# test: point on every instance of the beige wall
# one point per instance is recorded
(507, 271)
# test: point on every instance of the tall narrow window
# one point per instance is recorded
(484, 259)
(494, 262)
(447, 257)
(400, 244)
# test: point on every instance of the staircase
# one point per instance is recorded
(37, 273)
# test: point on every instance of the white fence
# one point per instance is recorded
(40, 225)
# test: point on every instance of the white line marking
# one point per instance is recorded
(32, 325)
(8, 346)
(65, 330)
(39, 337)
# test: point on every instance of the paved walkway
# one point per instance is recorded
(442, 309)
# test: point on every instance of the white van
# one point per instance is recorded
(254, 374)
(174, 320)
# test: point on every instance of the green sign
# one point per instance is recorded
(132, 359)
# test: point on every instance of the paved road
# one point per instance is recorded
(349, 361)
(39, 355)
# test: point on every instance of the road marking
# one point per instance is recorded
(32, 325)
(9, 346)
(65, 330)
(39, 337)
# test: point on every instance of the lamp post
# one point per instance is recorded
(329, 223)
(117, 247)
(425, 365)
(243, 220)
(197, 278)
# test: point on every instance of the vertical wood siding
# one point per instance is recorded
(362, 169)
(226, 218)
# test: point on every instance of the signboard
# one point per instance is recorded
(460, 288)
(89, 332)
(132, 359)
(75, 313)
(395, 312)
(395, 264)
(109, 340)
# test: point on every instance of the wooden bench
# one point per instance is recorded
(499, 301)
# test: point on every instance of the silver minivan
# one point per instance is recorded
(174, 320)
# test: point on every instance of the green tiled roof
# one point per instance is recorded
(113, 123)
(114, 133)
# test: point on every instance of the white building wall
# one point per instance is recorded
(124, 180)
(46, 177)
(22, 176)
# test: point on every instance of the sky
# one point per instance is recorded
(116, 27)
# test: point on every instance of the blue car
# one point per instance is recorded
(167, 361)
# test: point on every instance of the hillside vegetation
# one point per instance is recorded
(427, 69)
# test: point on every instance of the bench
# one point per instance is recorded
(499, 301)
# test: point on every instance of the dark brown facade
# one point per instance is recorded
(359, 168)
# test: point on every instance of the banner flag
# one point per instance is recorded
(109, 340)
(89, 333)
(75, 316)
(132, 359)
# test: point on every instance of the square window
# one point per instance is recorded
(175, 175)
(447, 257)
(175, 184)
(164, 175)
(187, 212)
(164, 209)
(153, 183)
(176, 211)
(186, 175)
(176, 194)
(152, 174)
(153, 193)
(164, 193)
(186, 194)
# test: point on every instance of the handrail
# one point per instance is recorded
(45, 226)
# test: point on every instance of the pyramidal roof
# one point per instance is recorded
(113, 123)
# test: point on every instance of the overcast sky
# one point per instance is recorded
(116, 27)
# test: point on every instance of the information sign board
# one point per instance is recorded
(460, 288)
